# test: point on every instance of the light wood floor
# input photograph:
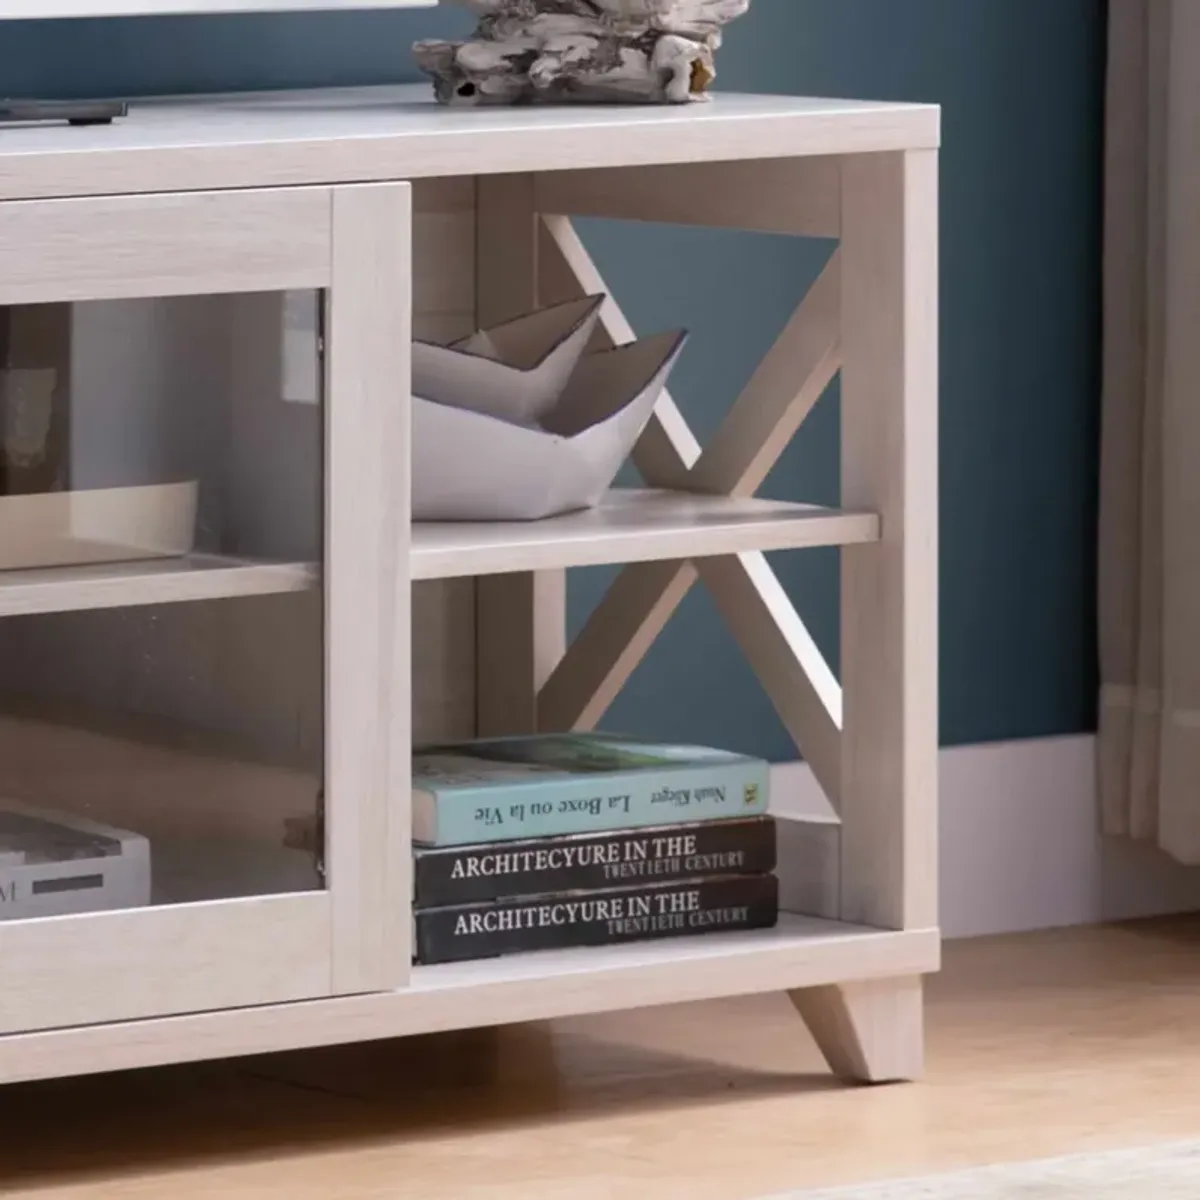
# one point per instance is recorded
(1039, 1046)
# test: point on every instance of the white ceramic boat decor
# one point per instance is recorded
(471, 466)
(515, 371)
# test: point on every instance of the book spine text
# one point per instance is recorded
(465, 932)
(583, 804)
(471, 874)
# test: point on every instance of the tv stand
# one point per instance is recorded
(390, 206)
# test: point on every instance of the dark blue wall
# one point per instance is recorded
(145, 56)
(1021, 84)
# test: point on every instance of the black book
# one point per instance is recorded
(579, 862)
(605, 918)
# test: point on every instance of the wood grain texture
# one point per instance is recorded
(121, 966)
(870, 1032)
(443, 621)
(888, 797)
(521, 631)
(164, 245)
(796, 196)
(801, 953)
(367, 594)
(377, 134)
(170, 581)
(630, 526)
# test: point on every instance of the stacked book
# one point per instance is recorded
(585, 840)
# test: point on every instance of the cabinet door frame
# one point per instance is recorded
(354, 242)
(368, 594)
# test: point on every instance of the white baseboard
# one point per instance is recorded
(1019, 844)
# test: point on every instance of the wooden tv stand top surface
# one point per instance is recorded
(358, 135)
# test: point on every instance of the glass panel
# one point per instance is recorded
(160, 753)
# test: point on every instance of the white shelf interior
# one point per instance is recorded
(633, 526)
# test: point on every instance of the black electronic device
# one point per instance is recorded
(72, 112)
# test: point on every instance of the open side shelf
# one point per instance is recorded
(633, 526)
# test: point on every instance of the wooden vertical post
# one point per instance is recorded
(367, 590)
(889, 590)
(521, 618)
(888, 792)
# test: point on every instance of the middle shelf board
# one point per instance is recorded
(629, 526)
(153, 581)
(633, 526)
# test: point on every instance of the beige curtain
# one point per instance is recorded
(1149, 765)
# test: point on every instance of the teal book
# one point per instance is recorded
(510, 789)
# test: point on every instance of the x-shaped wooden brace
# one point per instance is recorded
(763, 620)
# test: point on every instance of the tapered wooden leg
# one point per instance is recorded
(868, 1032)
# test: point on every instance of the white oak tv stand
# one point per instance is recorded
(211, 700)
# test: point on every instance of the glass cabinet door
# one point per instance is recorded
(203, 601)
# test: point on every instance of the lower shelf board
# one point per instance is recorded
(798, 952)
(801, 952)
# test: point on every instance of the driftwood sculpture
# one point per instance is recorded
(634, 51)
